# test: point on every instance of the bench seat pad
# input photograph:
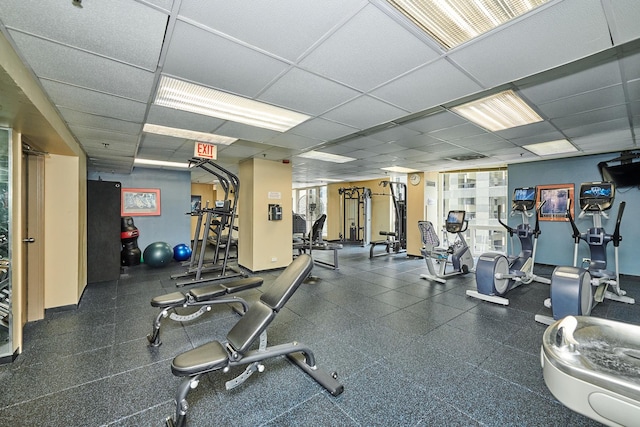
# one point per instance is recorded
(207, 357)
(208, 292)
(168, 300)
(243, 284)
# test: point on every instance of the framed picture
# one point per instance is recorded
(556, 198)
(140, 202)
(196, 203)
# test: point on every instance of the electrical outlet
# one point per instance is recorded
(274, 259)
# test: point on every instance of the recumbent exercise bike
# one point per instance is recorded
(458, 254)
(497, 274)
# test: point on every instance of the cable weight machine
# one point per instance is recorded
(396, 240)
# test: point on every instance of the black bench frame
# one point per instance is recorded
(216, 356)
(203, 297)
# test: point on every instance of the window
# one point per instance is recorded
(478, 193)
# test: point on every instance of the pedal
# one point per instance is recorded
(600, 293)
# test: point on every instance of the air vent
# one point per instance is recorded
(467, 157)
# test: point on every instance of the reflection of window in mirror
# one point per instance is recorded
(6, 347)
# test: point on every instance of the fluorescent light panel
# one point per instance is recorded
(399, 169)
(549, 148)
(501, 111)
(453, 22)
(326, 157)
(173, 93)
(148, 162)
(188, 134)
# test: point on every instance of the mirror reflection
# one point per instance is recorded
(5, 278)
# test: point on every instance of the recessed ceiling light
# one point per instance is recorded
(148, 162)
(188, 134)
(501, 111)
(198, 99)
(549, 148)
(399, 169)
(453, 22)
(326, 157)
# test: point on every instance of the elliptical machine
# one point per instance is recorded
(497, 274)
(458, 254)
(571, 292)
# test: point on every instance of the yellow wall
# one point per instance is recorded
(264, 244)
(208, 194)
(62, 237)
(415, 213)
(82, 224)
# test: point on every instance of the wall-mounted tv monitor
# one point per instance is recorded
(623, 171)
(596, 196)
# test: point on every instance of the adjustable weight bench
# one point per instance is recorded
(203, 297)
(217, 356)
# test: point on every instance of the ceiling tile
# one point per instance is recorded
(368, 51)
(77, 118)
(322, 129)
(522, 48)
(124, 30)
(91, 102)
(286, 28)
(430, 85)
(596, 99)
(364, 112)
(307, 93)
(626, 15)
(84, 69)
(243, 71)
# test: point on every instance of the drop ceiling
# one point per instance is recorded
(375, 87)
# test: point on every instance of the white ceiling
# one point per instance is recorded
(376, 88)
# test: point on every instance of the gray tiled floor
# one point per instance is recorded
(409, 352)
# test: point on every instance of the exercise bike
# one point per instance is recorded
(497, 274)
(458, 254)
(571, 287)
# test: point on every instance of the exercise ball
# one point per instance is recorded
(181, 252)
(157, 254)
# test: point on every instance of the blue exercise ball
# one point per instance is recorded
(157, 254)
(181, 252)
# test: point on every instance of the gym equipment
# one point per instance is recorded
(497, 274)
(571, 287)
(157, 254)
(396, 240)
(203, 297)
(592, 366)
(181, 252)
(458, 254)
(236, 351)
(130, 254)
(314, 242)
(218, 223)
(356, 215)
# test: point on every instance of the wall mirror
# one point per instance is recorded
(5, 252)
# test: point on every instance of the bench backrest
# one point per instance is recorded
(262, 312)
(428, 235)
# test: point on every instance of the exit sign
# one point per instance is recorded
(205, 151)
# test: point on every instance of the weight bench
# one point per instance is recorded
(315, 243)
(217, 356)
(203, 297)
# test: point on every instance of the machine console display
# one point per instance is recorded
(524, 199)
(455, 221)
(596, 196)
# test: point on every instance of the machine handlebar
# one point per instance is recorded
(509, 229)
(616, 234)
(536, 230)
(576, 232)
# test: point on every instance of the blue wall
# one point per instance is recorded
(555, 245)
(172, 226)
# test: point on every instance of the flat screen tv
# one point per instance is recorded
(623, 171)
